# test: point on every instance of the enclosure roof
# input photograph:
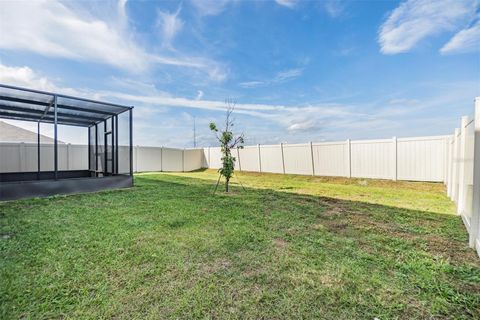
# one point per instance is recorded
(34, 105)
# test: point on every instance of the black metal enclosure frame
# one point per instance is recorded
(58, 109)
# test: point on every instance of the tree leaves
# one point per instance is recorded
(227, 142)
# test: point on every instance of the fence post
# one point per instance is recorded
(395, 154)
(349, 158)
(183, 160)
(445, 171)
(474, 238)
(283, 158)
(313, 162)
(161, 159)
(239, 163)
(461, 172)
(449, 167)
(23, 157)
(259, 158)
(455, 165)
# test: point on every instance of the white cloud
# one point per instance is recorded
(415, 20)
(287, 3)
(252, 84)
(280, 77)
(304, 125)
(466, 40)
(334, 8)
(218, 74)
(210, 7)
(403, 101)
(199, 95)
(78, 32)
(26, 77)
(155, 122)
(50, 28)
(170, 25)
(288, 75)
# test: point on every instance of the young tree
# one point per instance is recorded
(227, 143)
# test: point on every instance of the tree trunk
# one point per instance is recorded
(227, 181)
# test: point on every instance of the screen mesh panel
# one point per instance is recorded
(123, 143)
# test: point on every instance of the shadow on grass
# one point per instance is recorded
(437, 233)
(176, 249)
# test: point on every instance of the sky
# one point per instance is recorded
(298, 71)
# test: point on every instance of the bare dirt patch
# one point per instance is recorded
(280, 243)
(215, 266)
(454, 250)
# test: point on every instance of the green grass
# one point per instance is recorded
(285, 247)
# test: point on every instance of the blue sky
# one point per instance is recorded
(299, 70)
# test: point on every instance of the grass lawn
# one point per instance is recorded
(285, 247)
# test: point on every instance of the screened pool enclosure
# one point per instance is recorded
(109, 144)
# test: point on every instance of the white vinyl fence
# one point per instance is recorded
(22, 157)
(454, 160)
(414, 159)
(463, 173)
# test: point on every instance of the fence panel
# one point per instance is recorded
(455, 162)
(474, 239)
(193, 159)
(76, 157)
(372, 159)
(22, 157)
(298, 159)
(29, 155)
(463, 182)
(148, 159)
(249, 159)
(466, 201)
(206, 158)
(172, 159)
(215, 158)
(421, 159)
(271, 157)
(10, 157)
(331, 159)
(124, 160)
